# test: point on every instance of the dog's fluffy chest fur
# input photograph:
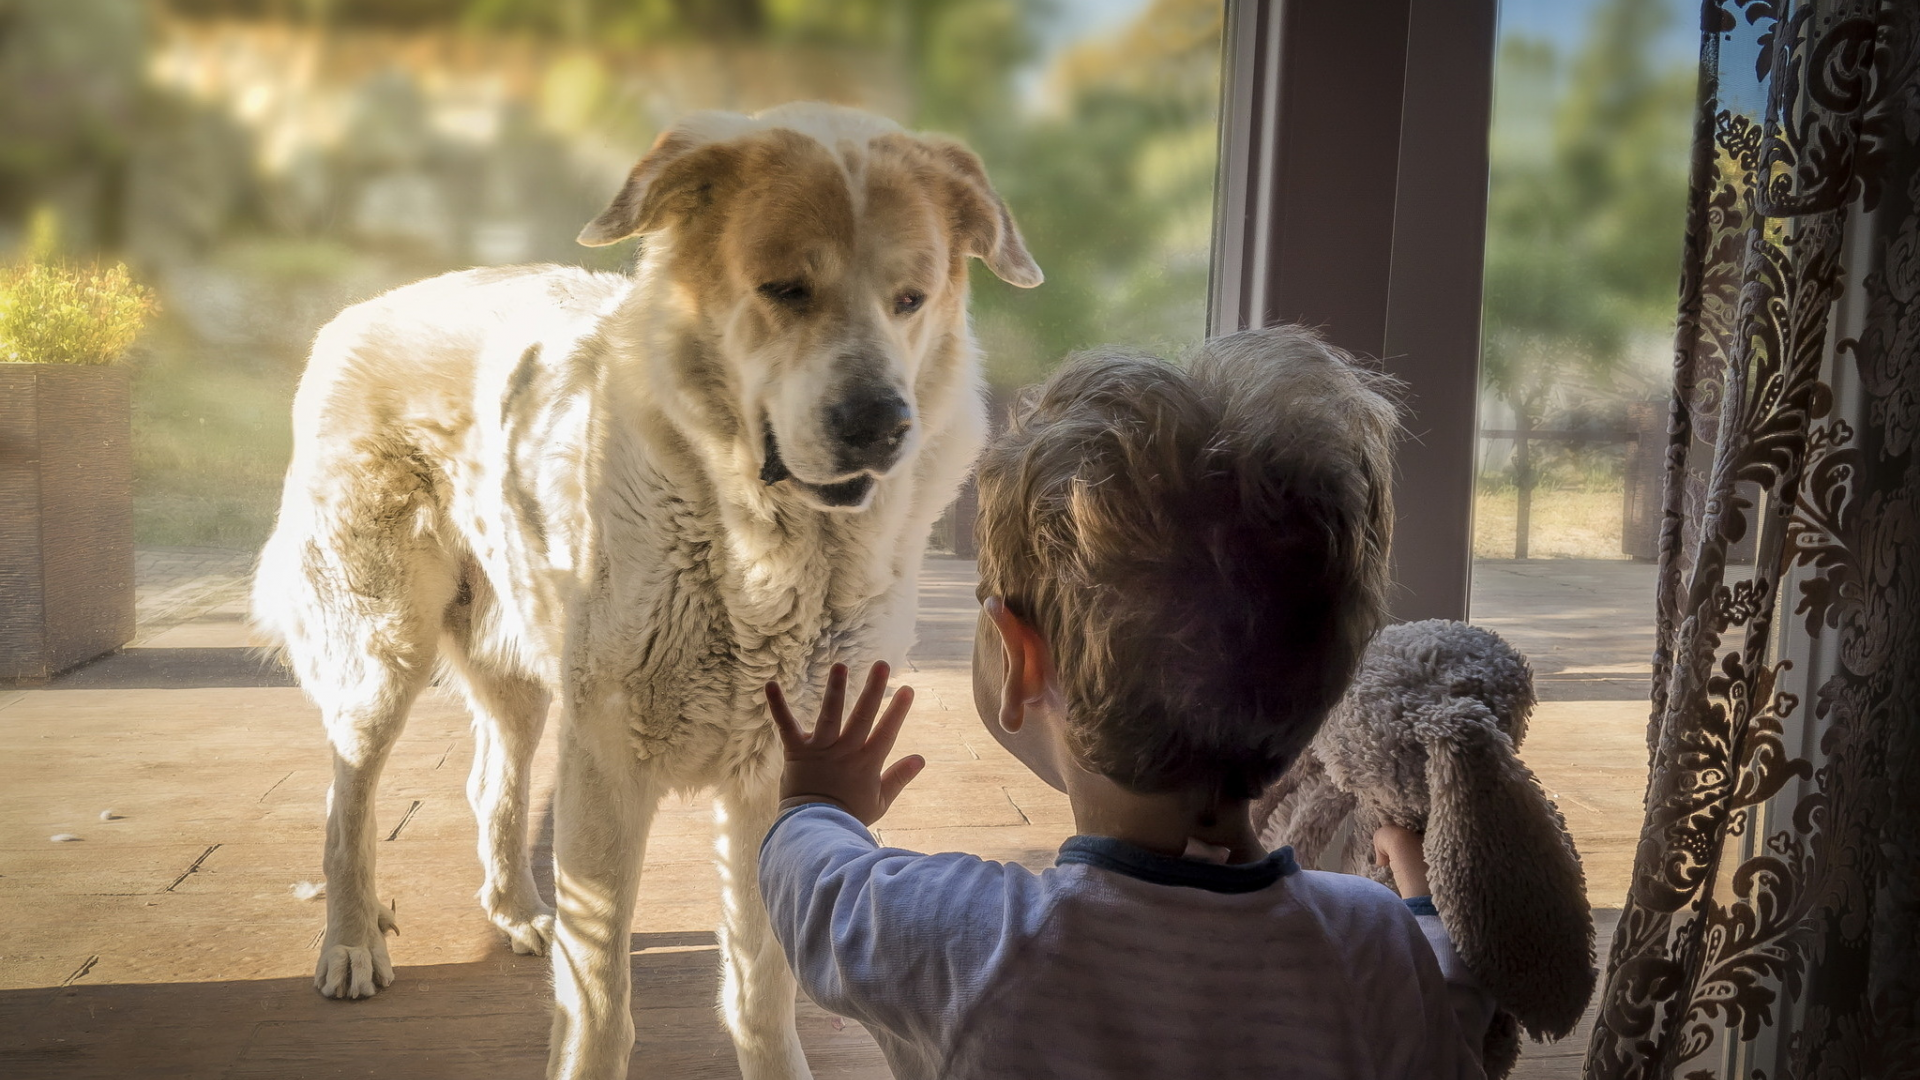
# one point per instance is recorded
(609, 561)
(681, 620)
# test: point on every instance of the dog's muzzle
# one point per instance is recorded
(773, 470)
(869, 426)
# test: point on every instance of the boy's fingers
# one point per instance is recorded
(881, 742)
(826, 729)
(1383, 846)
(783, 722)
(899, 776)
(861, 721)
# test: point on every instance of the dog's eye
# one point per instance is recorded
(908, 302)
(790, 293)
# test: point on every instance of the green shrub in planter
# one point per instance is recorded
(51, 314)
(66, 465)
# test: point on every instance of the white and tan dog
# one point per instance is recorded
(649, 496)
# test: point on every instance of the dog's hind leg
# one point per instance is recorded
(757, 987)
(509, 713)
(364, 704)
(356, 586)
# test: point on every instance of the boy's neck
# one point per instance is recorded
(1161, 823)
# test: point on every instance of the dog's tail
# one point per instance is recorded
(268, 598)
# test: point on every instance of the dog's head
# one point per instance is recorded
(813, 259)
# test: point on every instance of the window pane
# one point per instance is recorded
(1593, 104)
(260, 165)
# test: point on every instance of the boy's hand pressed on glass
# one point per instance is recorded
(842, 764)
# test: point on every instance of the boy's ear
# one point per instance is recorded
(1029, 668)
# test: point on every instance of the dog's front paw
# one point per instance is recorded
(529, 934)
(355, 965)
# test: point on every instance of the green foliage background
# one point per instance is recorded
(1110, 174)
(1585, 212)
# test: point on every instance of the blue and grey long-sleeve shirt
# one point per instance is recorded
(1115, 962)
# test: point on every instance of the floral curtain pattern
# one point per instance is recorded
(1772, 929)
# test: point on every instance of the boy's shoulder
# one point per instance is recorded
(1359, 902)
(1356, 887)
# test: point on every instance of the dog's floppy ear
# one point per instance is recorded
(1505, 877)
(675, 175)
(982, 222)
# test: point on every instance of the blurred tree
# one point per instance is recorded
(260, 204)
(70, 99)
(1111, 179)
(1624, 138)
(1586, 205)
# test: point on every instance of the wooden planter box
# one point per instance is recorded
(66, 517)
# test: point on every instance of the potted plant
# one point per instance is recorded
(66, 462)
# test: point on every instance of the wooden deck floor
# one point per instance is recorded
(168, 941)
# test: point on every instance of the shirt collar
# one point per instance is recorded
(1120, 857)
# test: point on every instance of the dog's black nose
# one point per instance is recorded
(870, 424)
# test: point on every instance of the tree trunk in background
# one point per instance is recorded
(1646, 471)
(965, 509)
(1522, 480)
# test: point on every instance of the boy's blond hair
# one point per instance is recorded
(1204, 550)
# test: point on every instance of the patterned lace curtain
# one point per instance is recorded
(1772, 930)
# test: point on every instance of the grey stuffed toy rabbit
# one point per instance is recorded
(1426, 738)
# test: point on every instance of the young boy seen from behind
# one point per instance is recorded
(1179, 569)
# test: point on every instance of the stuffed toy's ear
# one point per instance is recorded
(1302, 810)
(1505, 877)
(1500, 1047)
(686, 156)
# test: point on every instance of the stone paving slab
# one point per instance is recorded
(168, 941)
(1586, 625)
(174, 585)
